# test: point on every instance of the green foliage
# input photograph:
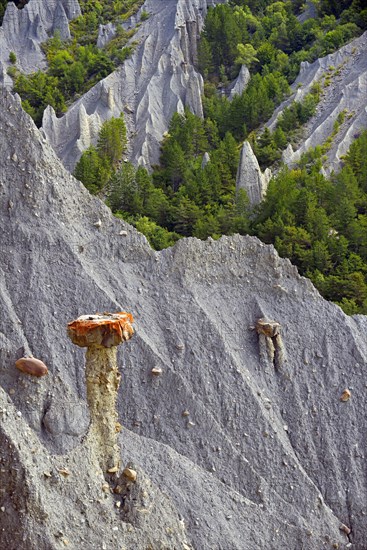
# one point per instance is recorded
(77, 67)
(247, 111)
(157, 236)
(297, 114)
(116, 49)
(112, 141)
(92, 170)
(182, 197)
(123, 191)
(74, 66)
(144, 15)
(2, 9)
(12, 58)
(205, 57)
(268, 146)
(357, 160)
(223, 32)
(326, 7)
(246, 54)
(270, 37)
(321, 225)
(133, 196)
(107, 10)
(37, 91)
(12, 71)
(97, 164)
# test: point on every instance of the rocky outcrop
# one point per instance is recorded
(230, 452)
(343, 79)
(105, 34)
(23, 32)
(249, 176)
(61, 21)
(287, 155)
(158, 80)
(309, 11)
(206, 159)
(240, 84)
(101, 334)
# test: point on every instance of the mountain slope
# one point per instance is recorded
(343, 79)
(24, 30)
(158, 80)
(267, 457)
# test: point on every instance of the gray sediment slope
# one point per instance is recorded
(264, 457)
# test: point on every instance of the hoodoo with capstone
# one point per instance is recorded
(101, 334)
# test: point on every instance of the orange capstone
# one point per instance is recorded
(102, 329)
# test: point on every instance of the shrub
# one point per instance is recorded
(12, 58)
(144, 15)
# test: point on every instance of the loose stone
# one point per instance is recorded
(345, 396)
(129, 474)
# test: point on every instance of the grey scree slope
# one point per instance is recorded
(266, 459)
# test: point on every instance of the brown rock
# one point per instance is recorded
(345, 396)
(129, 474)
(32, 366)
(269, 328)
(345, 529)
(156, 371)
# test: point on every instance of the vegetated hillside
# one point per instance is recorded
(251, 452)
(158, 79)
(317, 222)
(268, 37)
(24, 30)
(195, 188)
(340, 114)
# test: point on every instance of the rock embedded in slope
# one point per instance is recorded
(32, 366)
(206, 159)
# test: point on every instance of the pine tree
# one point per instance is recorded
(112, 140)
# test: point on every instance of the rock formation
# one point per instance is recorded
(105, 34)
(309, 11)
(343, 79)
(32, 366)
(270, 342)
(229, 451)
(158, 80)
(24, 30)
(240, 84)
(101, 334)
(249, 176)
(206, 159)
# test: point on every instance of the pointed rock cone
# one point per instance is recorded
(101, 334)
